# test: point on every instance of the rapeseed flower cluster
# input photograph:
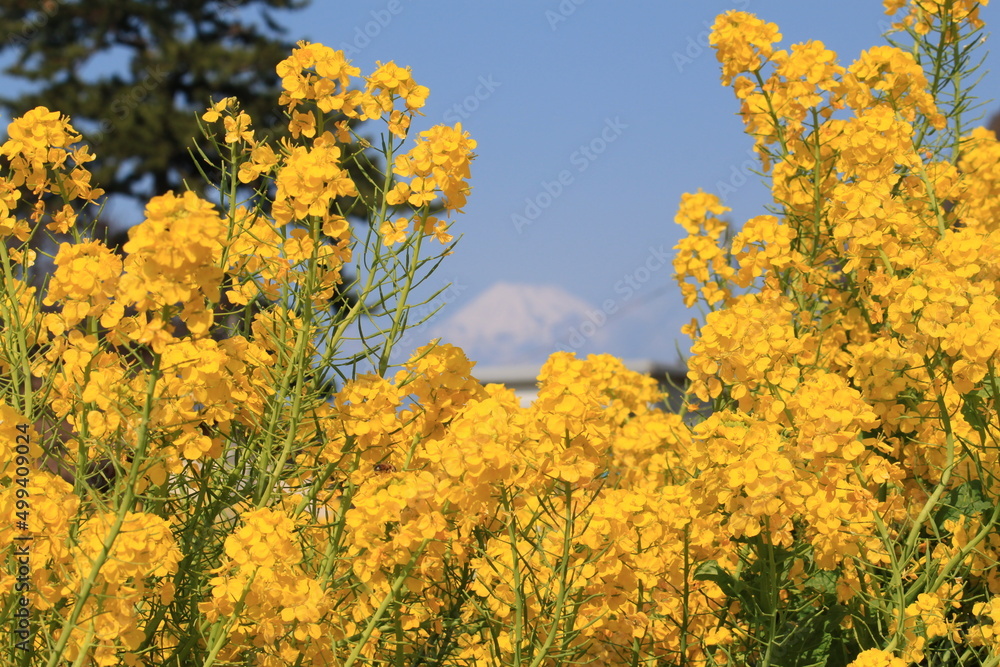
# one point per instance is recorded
(848, 348)
(839, 501)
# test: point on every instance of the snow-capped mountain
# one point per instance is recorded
(518, 323)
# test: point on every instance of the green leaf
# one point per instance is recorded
(711, 571)
(969, 500)
(815, 641)
(974, 409)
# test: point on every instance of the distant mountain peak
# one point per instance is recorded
(514, 323)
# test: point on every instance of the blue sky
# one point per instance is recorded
(592, 118)
(536, 82)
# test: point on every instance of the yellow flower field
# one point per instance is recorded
(838, 507)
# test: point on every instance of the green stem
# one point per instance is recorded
(124, 508)
(386, 601)
(568, 530)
